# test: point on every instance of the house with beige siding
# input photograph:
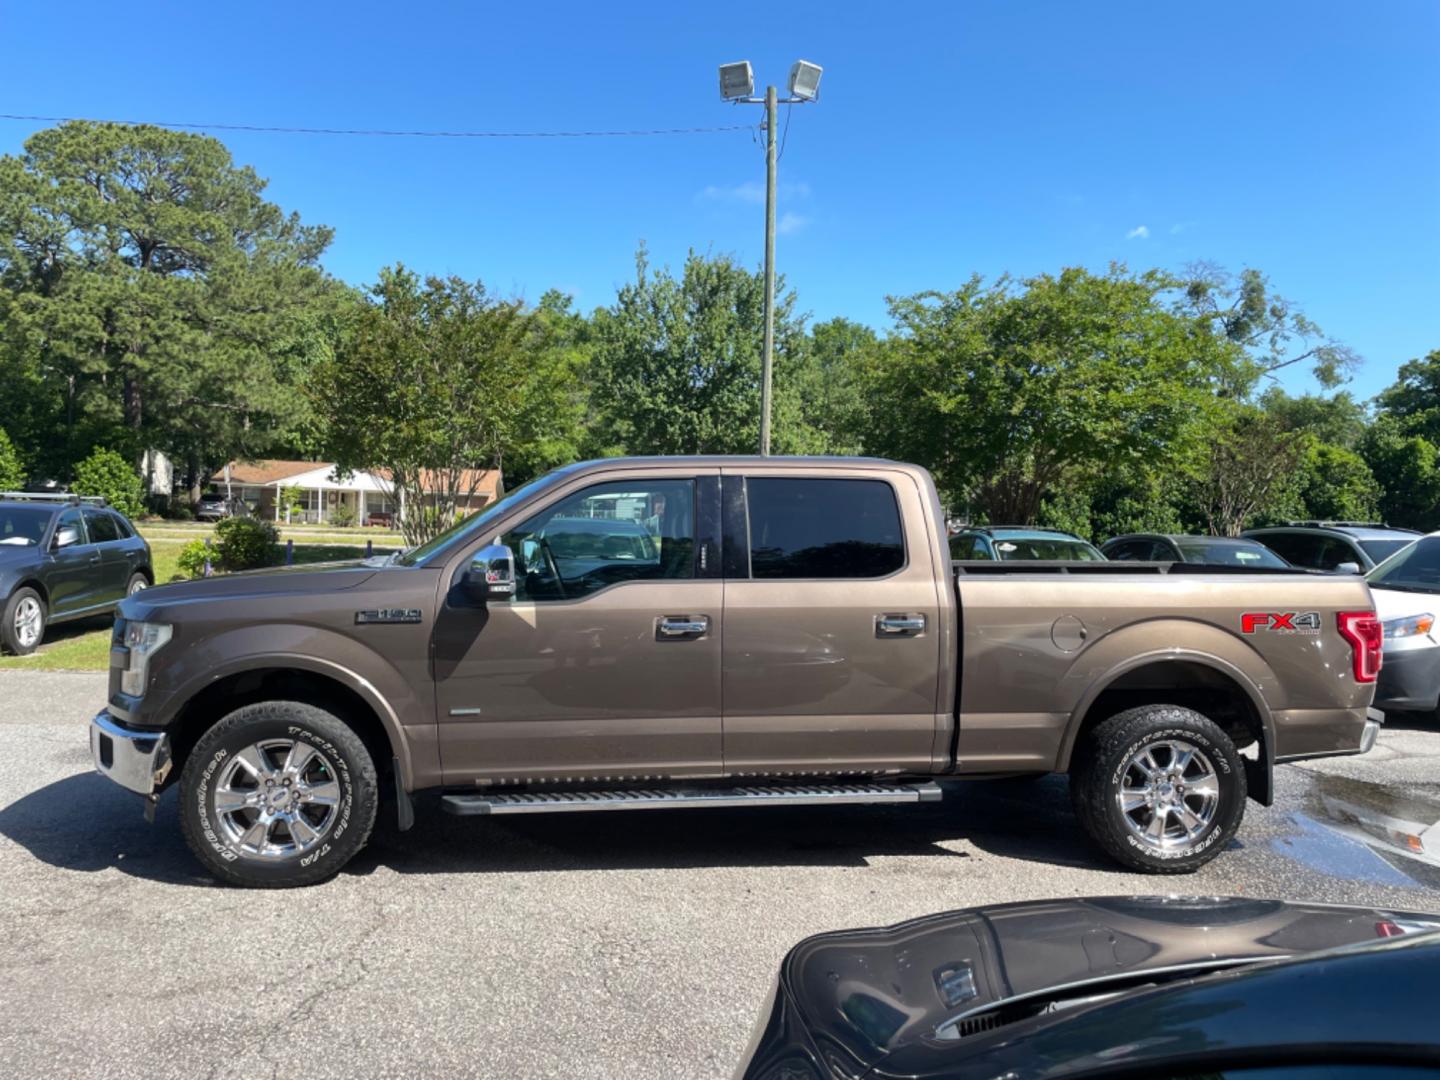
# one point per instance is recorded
(369, 494)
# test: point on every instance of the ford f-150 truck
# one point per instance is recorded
(674, 633)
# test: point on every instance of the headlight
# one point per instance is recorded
(1410, 626)
(143, 639)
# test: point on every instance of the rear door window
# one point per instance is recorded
(102, 526)
(1299, 549)
(823, 528)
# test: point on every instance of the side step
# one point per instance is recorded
(691, 798)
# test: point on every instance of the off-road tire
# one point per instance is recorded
(1099, 769)
(354, 772)
(8, 636)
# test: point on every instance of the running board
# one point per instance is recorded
(690, 798)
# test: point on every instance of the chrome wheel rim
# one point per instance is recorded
(29, 622)
(1169, 794)
(136, 586)
(276, 798)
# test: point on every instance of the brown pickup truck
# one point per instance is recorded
(672, 633)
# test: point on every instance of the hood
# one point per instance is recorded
(276, 581)
(14, 553)
(850, 999)
(1400, 603)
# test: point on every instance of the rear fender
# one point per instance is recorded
(1137, 646)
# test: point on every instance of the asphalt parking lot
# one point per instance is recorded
(594, 945)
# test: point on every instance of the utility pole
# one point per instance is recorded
(767, 354)
(737, 85)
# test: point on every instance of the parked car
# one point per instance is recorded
(63, 558)
(1202, 550)
(214, 506)
(1343, 547)
(1192, 987)
(1406, 588)
(1013, 543)
(784, 632)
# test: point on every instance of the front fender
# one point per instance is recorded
(364, 670)
(1171, 640)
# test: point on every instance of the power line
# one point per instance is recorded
(384, 133)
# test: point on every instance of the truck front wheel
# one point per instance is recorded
(278, 794)
(1160, 788)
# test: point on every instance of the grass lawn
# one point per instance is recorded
(84, 645)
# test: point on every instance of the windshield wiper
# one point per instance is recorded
(1397, 587)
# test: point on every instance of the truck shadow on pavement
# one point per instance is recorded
(85, 823)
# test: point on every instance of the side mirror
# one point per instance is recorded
(1348, 568)
(66, 536)
(491, 574)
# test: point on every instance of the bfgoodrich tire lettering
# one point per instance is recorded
(1159, 788)
(240, 803)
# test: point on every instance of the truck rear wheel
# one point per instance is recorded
(278, 794)
(1159, 788)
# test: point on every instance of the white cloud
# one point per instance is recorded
(791, 222)
(1139, 232)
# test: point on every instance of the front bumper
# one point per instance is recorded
(1409, 679)
(136, 760)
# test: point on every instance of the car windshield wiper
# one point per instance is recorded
(1397, 587)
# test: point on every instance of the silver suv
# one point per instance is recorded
(1337, 546)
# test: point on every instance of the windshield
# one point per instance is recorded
(1215, 552)
(1016, 548)
(1415, 566)
(468, 526)
(1380, 550)
(23, 526)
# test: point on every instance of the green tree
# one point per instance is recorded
(152, 298)
(831, 383)
(676, 366)
(1251, 458)
(12, 475)
(1414, 398)
(108, 474)
(1012, 391)
(1273, 332)
(1407, 468)
(435, 380)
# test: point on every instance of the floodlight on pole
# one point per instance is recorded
(805, 80)
(736, 81)
(737, 85)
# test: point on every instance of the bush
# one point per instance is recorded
(191, 559)
(108, 474)
(343, 516)
(12, 476)
(246, 542)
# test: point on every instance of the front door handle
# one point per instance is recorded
(668, 627)
(899, 625)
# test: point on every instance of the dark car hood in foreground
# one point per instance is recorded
(946, 987)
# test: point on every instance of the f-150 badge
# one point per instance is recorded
(389, 615)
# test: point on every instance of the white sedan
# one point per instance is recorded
(1406, 588)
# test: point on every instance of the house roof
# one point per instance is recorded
(484, 482)
(267, 471)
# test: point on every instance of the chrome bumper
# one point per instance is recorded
(1372, 730)
(137, 760)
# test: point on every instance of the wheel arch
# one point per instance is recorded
(312, 680)
(1211, 685)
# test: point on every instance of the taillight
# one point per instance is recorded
(1386, 928)
(1365, 635)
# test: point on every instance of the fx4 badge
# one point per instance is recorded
(1281, 622)
(389, 615)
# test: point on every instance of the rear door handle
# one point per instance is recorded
(899, 625)
(668, 627)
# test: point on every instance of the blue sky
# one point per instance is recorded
(1302, 138)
